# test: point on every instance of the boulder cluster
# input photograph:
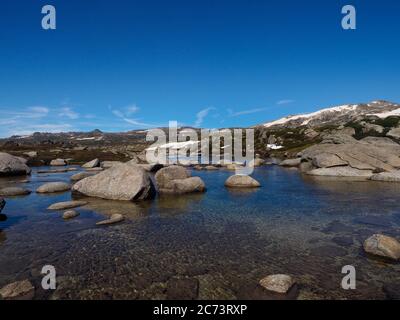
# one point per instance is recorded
(341, 155)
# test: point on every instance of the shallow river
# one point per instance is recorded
(216, 245)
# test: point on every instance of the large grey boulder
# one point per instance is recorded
(383, 246)
(291, 162)
(12, 166)
(358, 155)
(91, 164)
(109, 164)
(241, 181)
(167, 174)
(327, 160)
(58, 162)
(348, 172)
(181, 186)
(14, 191)
(2, 204)
(393, 176)
(121, 182)
(177, 180)
(52, 187)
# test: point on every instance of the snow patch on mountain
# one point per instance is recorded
(310, 116)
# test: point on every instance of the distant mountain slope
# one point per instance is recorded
(338, 115)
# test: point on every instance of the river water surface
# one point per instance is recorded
(215, 245)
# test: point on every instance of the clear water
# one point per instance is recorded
(221, 242)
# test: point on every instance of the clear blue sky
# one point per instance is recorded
(120, 65)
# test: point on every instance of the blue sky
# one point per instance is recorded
(121, 65)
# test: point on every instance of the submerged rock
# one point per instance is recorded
(383, 246)
(279, 283)
(241, 181)
(19, 290)
(67, 205)
(70, 214)
(122, 182)
(53, 187)
(91, 164)
(14, 191)
(177, 180)
(12, 166)
(113, 219)
(2, 204)
(58, 162)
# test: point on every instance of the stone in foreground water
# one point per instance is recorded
(20, 290)
(280, 283)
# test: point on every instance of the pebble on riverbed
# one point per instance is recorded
(113, 219)
(53, 187)
(70, 214)
(383, 246)
(279, 283)
(67, 205)
(20, 290)
(14, 191)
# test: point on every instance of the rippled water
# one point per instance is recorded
(216, 245)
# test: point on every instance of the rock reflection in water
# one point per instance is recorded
(178, 204)
(107, 208)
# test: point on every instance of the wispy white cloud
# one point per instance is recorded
(125, 113)
(201, 115)
(244, 112)
(68, 113)
(286, 101)
(131, 109)
(28, 120)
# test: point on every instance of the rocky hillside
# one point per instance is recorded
(281, 138)
(294, 133)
